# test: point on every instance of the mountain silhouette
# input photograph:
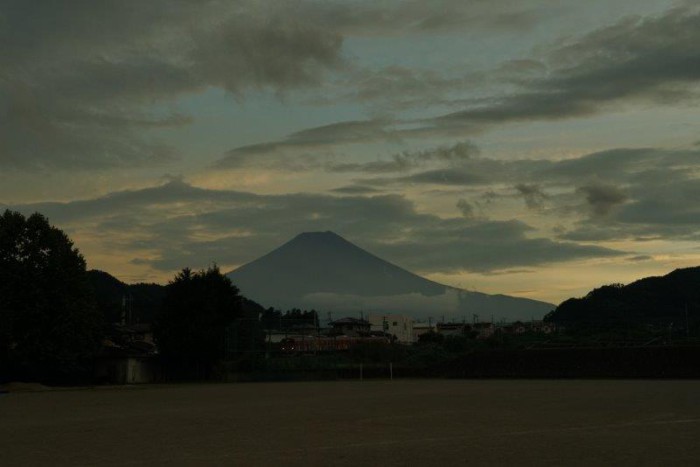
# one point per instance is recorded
(143, 301)
(324, 271)
(671, 301)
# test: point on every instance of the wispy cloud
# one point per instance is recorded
(636, 61)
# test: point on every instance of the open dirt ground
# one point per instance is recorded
(405, 422)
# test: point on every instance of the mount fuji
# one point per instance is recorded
(323, 271)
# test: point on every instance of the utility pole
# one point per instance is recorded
(127, 304)
(130, 308)
(123, 314)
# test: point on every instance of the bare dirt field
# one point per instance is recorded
(404, 422)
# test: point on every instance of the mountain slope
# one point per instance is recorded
(324, 271)
(112, 295)
(144, 299)
(670, 300)
(318, 262)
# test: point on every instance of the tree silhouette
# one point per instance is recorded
(190, 328)
(49, 326)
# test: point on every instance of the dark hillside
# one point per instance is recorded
(141, 300)
(665, 301)
(138, 301)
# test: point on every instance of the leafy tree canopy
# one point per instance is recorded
(49, 325)
(198, 307)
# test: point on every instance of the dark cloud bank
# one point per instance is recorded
(620, 194)
(243, 226)
(623, 194)
(81, 82)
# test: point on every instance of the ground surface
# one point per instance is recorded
(426, 422)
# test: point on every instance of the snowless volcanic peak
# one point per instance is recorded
(323, 270)
(317, 262)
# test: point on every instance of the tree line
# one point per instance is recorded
(51, 328)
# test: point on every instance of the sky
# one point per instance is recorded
(535, 148)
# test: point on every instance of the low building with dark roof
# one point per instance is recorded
(351, 326)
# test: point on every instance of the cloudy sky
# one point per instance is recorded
(536, 148)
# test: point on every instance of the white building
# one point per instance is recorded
(396, 325)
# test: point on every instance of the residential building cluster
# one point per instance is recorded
(129, 351)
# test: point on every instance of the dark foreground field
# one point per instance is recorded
(408, 422)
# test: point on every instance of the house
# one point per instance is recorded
(422, 328)
(483, 330)
(453, 329)
(128, 356)
(350, 327)
(124, 333)
(399, 327)
(126, 368)
(518, 328)
(480, 330)
(543, 327)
